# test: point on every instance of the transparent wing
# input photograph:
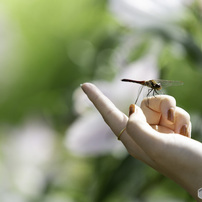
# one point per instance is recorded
(168, 83)
(139, 92)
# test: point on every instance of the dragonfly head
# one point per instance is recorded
(158, 86)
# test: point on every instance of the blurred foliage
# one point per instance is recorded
(57, 50)
(59, 44)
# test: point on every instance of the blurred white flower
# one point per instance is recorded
(27, 151)
(148, 13)
(89, 135)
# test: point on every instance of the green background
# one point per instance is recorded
(49, 49)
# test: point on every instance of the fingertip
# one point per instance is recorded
(136, 112)
(131, 109)
(171, 115)
(168, 105)
(86, 86)
(136, 118)
(182, 122)
(184, 130)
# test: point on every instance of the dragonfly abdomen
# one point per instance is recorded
(134, 81)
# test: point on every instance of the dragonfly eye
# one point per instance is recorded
(158, 85)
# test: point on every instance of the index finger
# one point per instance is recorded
(112, 116)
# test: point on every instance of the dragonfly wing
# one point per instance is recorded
(168, 83)
(138, 94)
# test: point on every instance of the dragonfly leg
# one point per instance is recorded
(155, 91)
(149, 91)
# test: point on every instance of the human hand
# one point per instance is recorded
(154, 136)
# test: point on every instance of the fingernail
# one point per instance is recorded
(131, 109)
(171, 114)
(184, 131)
(81, 86)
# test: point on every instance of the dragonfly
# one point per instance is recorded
(154, 85)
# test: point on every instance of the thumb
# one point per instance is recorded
(141, 132)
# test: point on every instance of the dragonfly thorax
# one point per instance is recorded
(153, 84)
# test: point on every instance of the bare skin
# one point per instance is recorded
(158, 134)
